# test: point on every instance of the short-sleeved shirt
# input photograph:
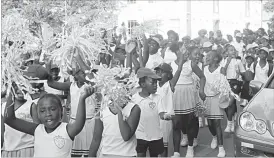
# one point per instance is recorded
(239, 47)
(149, 124)
(261, 74)
(154, 61)
(234, 68)
(166, 94)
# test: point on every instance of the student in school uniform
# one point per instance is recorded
(82, 141)
(54, 72)
(214, 112)
(149, 135)
(151, 58)
(52, 138)
(262, 69)
(185, 102)
(166, 89)
(248, 77)
(233, 68)
(115, 136)
(18, 144)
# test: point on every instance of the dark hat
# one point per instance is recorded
(146, 72)
(36, 71)
(165, 67)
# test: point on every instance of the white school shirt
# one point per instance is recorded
(166, 94)
(169, 56)
(261, 74)
(210, 79)
(239, 48)
(16, 140)
(52, 90)
(112, 142)
(154, 61)
(55, 144)
(75, 93)
(186, 73)
(234, 68)
(149, 124)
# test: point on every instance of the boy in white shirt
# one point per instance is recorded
(148, 133)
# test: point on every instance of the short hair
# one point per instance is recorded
(192, 48)
(218, 55)
(173, 32)
(53, 98)
(229, 45)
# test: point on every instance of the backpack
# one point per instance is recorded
(270, 70)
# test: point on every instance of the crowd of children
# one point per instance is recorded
(175, 78)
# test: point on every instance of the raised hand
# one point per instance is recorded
(130, 46)
(88, 91)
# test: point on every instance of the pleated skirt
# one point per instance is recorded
(184, 99)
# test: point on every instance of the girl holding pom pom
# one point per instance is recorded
(83, 139)
(52, 138)
(214, 113)
(18, 144)
(114, 134)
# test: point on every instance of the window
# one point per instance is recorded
(131, 1)
(247, 8)
(215, 6)
(131, 24)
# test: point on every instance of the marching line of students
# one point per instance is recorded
(174, 78)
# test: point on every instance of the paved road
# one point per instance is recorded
(204, 140)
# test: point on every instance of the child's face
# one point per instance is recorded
(164, 75)
(231, 52)
(153, 47)
(150, 85)
(211, 58)
(251, 51)
(195, 55)
(272, 54)
(264, 42)
(54, 73)
(225, 55)
(249, 60)
(172, 38)
(229, 38)
(262, 54)
(49, 113)
(80, 76)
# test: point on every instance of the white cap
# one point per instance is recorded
(238, 34)
(271, 50)
(265, 49)
(253, 45)
(266, 37)
(207, 44)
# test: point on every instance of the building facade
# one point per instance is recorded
(188, 17)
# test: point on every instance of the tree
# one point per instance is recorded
(269, 6)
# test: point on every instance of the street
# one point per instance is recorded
(204, 140)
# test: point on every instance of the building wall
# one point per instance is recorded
(231, 15)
